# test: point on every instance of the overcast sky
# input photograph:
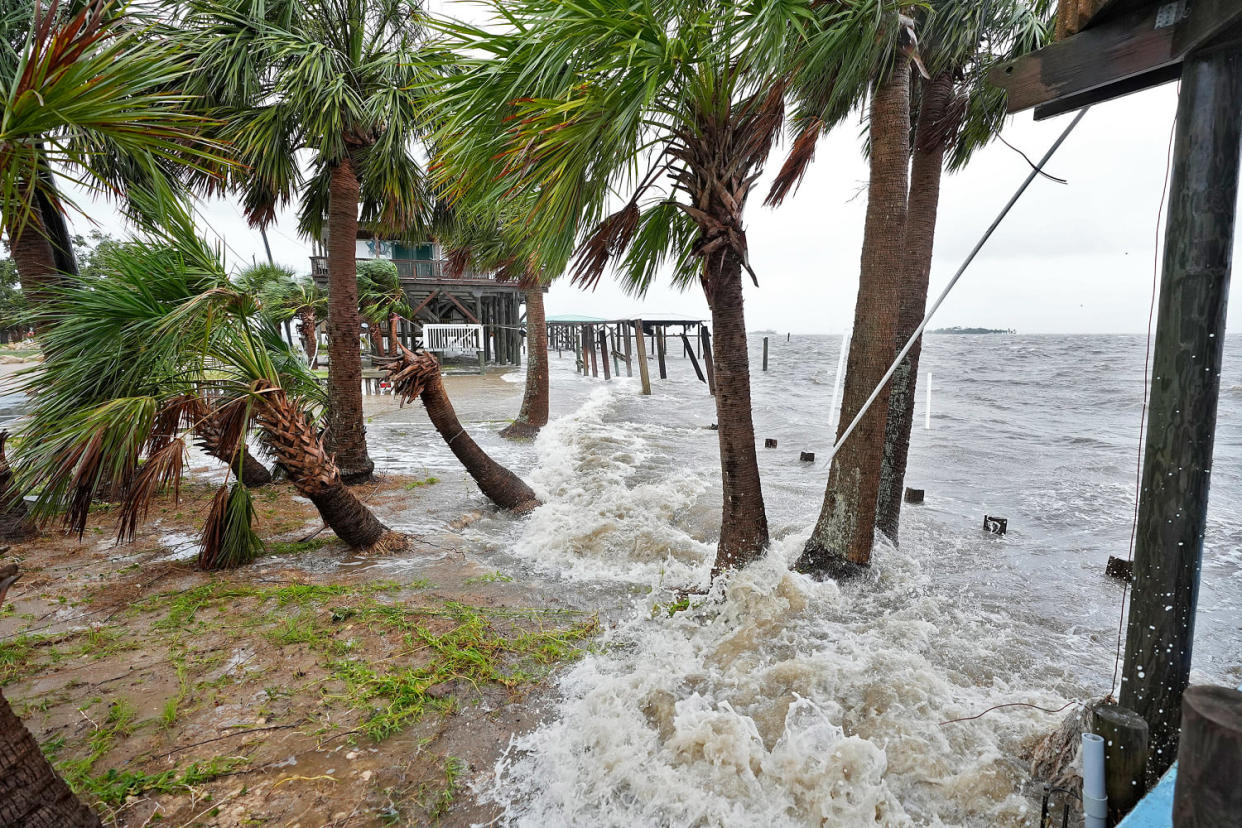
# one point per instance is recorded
(1072, 258)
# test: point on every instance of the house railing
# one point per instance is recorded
(430, 270)
(453, 340)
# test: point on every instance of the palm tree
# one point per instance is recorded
(417, 374)
(672, 108)
(381, 301)
(130, 360)
(86, 93)
(958, 112)
(340, 79)
(300, 299)
(31, 792)
(476, 238)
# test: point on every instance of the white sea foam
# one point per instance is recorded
(776, 700)
(596, 521)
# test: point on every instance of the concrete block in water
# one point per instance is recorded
(914, 495)
(807, 457)
(769, 442)
(1120, 569)
(995, 525)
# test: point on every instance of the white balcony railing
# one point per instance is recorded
(453, 340)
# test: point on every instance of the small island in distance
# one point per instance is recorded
(957, 330)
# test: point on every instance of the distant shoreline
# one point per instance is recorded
(973, 331)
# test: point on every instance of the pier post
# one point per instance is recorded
(1207, 793)
(603, 352)
(640, 343)
(629, 362)
(708, 363)
(1186, 365)
(590, 341)
(1125, 757)
(765, 353)
(659, 345)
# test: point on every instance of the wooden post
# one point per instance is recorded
(641, 344)
(1125, 757)
(1186, 366)
(590, 338)
(765, 353)
(1207, 792)
(708, 362)
(603, 352)
(694, 361)
(659, 343)
(625, 336)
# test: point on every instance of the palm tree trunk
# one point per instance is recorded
(35, 260)
(292, 438)
(925, 171)
(14, 520)
(743, 520)
(841, 541)
(392, 333)
(534, 412)
(211, 439)
(32, 795)
(310, 342)
(418, 375)
(346, 431)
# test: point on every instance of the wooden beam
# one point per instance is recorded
(462, 308)
(423, 304)
(1124, 54)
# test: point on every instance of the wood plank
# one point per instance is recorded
(1141, 47)
(474, 319)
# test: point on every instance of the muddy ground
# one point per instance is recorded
(315, 687)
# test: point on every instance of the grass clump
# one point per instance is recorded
(115, 786)
(418, 484)
(490, 578)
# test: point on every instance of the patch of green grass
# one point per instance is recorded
(473, 651)
(418, 484)
(114, 786)
(182, 607)
(490, 578)
(437, 802)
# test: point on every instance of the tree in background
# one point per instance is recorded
(340, 79)
(381, 301)
(956, 112)
(670, 108)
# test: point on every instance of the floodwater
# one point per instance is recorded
(782, 701)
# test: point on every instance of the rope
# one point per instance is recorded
(892, 369)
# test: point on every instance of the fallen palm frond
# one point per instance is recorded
(228, 539)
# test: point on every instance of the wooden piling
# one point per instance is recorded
(708, 362)
(641, 344)
(1186, 367)
(765, 353)
(629, 367)
(603, 352)
(1207, 792)
(659, 343)
(694, 361)
(590, 338)
(586, 350)
(1125, 757)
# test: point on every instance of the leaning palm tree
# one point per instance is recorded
(340, 79)
(673, 108)
(958, 112)
(130, 360)
(86, 95)
(301, 300)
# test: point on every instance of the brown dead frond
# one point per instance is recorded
(410, 372)
(796, 165)
(611, 238)
(161, 471)
(457, 261)
(180, 412)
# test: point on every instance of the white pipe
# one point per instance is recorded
(834, 415)
(1094, 797)
(927, 412)
(956, 276)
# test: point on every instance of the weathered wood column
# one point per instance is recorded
(1186, 369)
(640, 345)
(1207, 793)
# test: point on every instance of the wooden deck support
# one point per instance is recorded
(1186, 367)
(659, 342)
(640, 344)
(603, 352)
(710, 364)
(1207, 793)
